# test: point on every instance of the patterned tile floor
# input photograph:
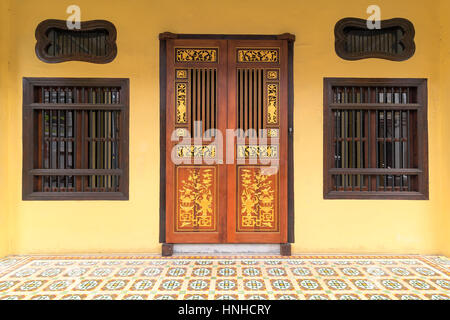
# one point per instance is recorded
(252, 277)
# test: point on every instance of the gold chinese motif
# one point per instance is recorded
(257, 55)
(272, 103)
(181, 101)
(181, 74)
(196, 199)
(257, 151)
(181, 132)
(272, 133)
(272, 74)
(257, 200)
(195, 55)
(189, 151)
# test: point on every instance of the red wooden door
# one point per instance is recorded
(226, 145)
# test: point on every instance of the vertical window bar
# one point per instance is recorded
(42, 146)
(408, 151)
(393, 147)
(83, 152)
(384, 146)
(336, 135)
(361, 149)
(377, 135)
(66, 151)
(58, 146)
(368, 142)
(402, 165)
(353, 155)
(346, 182)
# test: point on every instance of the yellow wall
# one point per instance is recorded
(444, 118)
(4, 114)
(320, 226)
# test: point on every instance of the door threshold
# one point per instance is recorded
(225, 249)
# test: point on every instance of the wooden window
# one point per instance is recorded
(393, 41)
(75, 139)
(375, 139)
(94, 42)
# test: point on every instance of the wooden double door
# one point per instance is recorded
(226, 141)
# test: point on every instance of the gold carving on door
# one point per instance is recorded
(196, 198)
(195, 55)
(181, 103)
(257, 152)
(257, 199)
(272, 103)
(257, 55)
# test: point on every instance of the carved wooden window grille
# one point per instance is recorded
(75, 135)
(199, 85)
(375, 139)
(94, 42)
(394, 41)
(250, 100)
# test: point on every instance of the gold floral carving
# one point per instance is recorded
(257, 200)
(181, 101)
(272, 103)
(188, 151)
(257, 151)
(196, 199)
(257, 55)
(195, 55)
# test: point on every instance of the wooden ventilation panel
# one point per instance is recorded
(94, 42)
(250, 100)
(394, 41)
(203, 104)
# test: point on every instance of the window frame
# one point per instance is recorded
(422, 138)
(29, 135)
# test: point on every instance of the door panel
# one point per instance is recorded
(257, 181)
(237, 85)
(196, 106)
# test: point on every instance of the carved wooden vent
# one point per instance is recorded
(94, 42)
(394, 41)
(250, 100)
(196, 95)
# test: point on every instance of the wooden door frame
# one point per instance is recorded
(163, 37)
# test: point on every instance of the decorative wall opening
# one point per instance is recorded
(394, 41)
(94, 42)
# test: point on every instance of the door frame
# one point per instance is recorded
(163, 37)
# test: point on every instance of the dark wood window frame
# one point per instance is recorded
(418, 107)
(394, 41)
(31, 111)
(94, 42)
(163, 37)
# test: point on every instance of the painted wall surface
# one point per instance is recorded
(445, 116)
(342, 226)
(4, 113)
